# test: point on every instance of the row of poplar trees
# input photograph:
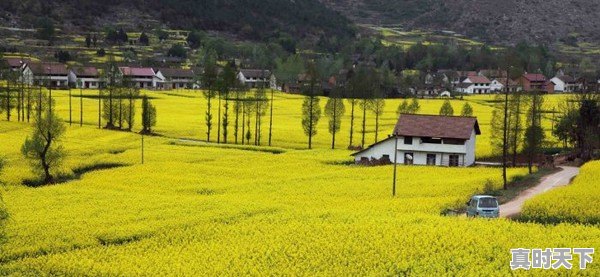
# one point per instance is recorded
(238, 107)
(119, 96)
(523, 126)
(364, 90)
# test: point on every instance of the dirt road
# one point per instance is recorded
(547, 183)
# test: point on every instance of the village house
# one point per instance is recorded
(564, 83)
(55, 75)
(177, 78)
(142, 77)
(499, 84)
(426, 140)
(475, 85)
(256, 78)
(86, 77)
(451, 76)
(16, 64)
(531, 82)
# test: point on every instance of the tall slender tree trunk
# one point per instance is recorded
(256, 124)
(110, 108)
(310, 122)
(209, 115)
(352, 104)
(364, 123)
(243, 121)
(80, 107)
(29, 92)
(334, 123)
(237, 116)
(70, 108)
(376, 125)
(130, 119)
(504, 137)
(271, 118)
(219, 118)
(226, 118)
(8, 101)
(516, 129)
(99, 108)
(18, 105)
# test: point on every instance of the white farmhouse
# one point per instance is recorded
(496, 86)
(47, 74)
(85, 77)
(475, 85)
(142, 77)
(177, 78)
(256, 78)
(427, 140)
(564, 83)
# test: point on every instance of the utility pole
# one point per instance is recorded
(395, 164)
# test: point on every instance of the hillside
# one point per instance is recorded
(258, 20)
(568, 22)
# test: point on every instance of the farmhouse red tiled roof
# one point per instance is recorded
(87, 71)
(45, 68)
(16, 62)
(137, 71)
(436, 126)
(479, 79)
(535, 77)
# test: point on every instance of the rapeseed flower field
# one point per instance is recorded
(196, 208)
(574, 203)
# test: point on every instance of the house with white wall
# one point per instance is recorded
(475, 85)
(18, 65)
(86, 77)
(256, 78)
(142, 77)
(564, 83)
(499, 84)
(426, 140)
(177, 78)
(47, 74)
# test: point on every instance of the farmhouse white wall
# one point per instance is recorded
(420, 150)
(496, 86)
(559, 85)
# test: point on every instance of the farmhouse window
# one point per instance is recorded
(431, 159)
(432, 140)
(454, 141)
(453, 160)
(408, 140)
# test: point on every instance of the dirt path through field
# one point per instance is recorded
(558, 179)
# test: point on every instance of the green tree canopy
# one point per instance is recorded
(467, 110)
